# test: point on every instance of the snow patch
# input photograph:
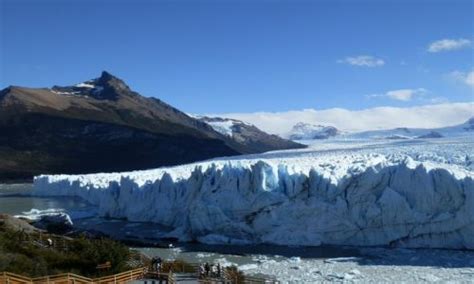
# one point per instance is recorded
(65, 93)
(223, 127)
(85, 85)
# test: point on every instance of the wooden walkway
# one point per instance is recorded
(125, 277)
(172, 273)
(65, 278)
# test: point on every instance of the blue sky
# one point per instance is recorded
(247, 56)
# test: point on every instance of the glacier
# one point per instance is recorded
(417, 194)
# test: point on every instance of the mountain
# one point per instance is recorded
(464, 129)
(100, 125)
(248, 135)
(306, 131)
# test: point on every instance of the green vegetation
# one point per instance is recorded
(24, 254)
(28, 251)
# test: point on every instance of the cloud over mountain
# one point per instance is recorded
(427, 116)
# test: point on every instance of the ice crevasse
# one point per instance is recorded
(363, 200)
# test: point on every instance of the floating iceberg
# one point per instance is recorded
(403, 194)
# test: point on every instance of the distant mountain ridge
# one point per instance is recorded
(307, 131)
(464, 129)
(100, 125)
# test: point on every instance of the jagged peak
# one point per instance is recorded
(107, 78)
(107, 75)
(105, 87)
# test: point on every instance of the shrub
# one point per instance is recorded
(23, 255)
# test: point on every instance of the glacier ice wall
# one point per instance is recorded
(398, 202)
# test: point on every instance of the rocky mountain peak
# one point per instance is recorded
(105, 87)
(107, 80)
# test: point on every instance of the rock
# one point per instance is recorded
(58, 223)
(16, 224)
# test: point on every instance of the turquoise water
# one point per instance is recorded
(15, 199)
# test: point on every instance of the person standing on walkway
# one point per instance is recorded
(207, 268)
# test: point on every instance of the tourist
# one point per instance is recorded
(201, 271)
(153, 263)
(207, 268)
(214, 271)
(158, 264)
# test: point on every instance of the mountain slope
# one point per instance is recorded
(249, 136)
(100, 125)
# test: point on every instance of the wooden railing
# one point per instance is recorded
(11, 278)
(127, 276)
(7, 278)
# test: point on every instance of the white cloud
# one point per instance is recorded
(470, 79)
(363, 60)
(427, 116)
(401, 94)
(448, 44)
(438, 100)
(463, 77)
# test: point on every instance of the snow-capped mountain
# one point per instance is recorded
(307, 131)
(249, 135)
(464, 129)
(102, 125)
(97, 126)
(105, 87)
